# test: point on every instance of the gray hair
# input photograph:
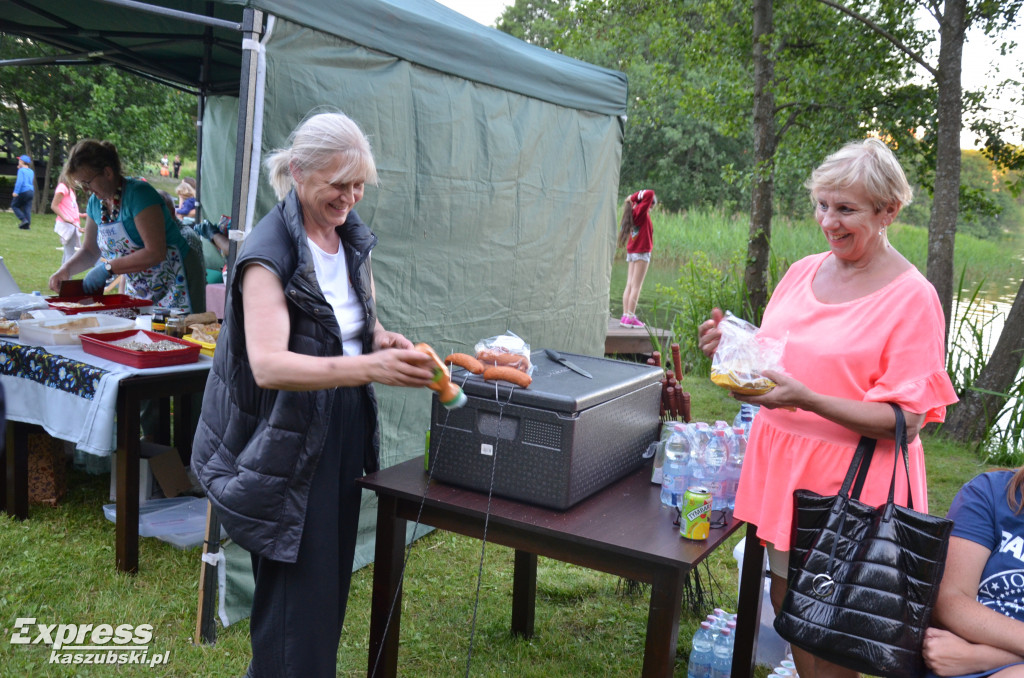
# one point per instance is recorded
(868, 163)
(315, 144)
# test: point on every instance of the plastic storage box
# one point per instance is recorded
(178, 515)
(104, 346)
(48, 331)
(554, 443)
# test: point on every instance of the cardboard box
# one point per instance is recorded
(47, 472)
(554, 443)
(156, 462)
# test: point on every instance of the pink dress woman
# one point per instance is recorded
(887, 346)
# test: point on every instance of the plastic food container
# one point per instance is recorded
(98, 302)
(48, 331)
(178, 515)
(103, 345)
(206, 348)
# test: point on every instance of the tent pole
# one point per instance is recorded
(204, 76)
(252, 28)
(252, 23)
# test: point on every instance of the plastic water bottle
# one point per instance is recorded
(721, 661)
(734, 465)
(745, 417)
(715, 456)
(673, 475)
(701, 653)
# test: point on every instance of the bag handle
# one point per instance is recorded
(858, 471)
(857, 474)
(902, 450)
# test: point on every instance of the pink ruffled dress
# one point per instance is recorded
(888, 346)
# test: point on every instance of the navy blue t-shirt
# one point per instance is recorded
(980, 513)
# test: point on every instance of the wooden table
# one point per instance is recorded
(132, 390)
(623, 530)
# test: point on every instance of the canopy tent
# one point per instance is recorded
(499, 161)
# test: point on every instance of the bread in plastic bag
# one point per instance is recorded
(14, 305)
(743, 354)
(505, 350)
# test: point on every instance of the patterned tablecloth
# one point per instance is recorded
(70, 393)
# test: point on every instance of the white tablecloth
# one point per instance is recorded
(88, 423)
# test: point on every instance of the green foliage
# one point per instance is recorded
(61, 105)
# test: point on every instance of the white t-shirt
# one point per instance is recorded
(332, 274)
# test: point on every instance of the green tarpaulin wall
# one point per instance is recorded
(499, 161)
(495, 211)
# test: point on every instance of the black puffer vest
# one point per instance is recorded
(256, 449)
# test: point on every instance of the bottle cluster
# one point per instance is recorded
(699, 454)
(712, 648)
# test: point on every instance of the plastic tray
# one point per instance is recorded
(40, 332)
(102, 345)
(207, 348)
(179, 515)
(108, 302)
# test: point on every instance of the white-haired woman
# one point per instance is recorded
(863, 328)
(289, 419)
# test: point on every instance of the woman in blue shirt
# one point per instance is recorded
(24, 192)
(132, 230)
(980, 607)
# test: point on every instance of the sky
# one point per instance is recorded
(980, 54)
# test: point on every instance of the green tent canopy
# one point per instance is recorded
(498, 160)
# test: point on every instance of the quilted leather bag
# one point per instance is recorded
(863, 580)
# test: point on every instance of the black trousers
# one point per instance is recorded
(298, 608)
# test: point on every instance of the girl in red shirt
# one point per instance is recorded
(637, 235)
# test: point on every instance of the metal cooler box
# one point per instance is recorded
(555, 443)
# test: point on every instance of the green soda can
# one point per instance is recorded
(695, 519)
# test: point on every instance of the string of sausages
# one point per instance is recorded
(675, 402)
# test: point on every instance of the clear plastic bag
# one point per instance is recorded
(13, 305)
(505, 350)
(743, 354)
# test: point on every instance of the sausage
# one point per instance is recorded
(466, 362)
(509, 374)
(499, 358)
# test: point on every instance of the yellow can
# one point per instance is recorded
(695, 518)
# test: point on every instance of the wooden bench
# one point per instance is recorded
(633, 339)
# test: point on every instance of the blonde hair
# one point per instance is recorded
(868, 163)
(185, 189)
(317, 143)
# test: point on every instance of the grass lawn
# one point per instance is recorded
(58, 567)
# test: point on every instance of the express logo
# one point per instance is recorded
(90, 643)
(80, 636)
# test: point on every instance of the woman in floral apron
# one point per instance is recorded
(128, 231)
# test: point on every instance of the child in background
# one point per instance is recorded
(636, 233)
(186, 201)
(68, 222)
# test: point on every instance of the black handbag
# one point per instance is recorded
(863, 580)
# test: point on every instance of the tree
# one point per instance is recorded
(62, 104)
(953, 18)
(665, 147)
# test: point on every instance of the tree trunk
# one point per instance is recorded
(946, 201)
(51, 155)
(758, 250)
(974, 416)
